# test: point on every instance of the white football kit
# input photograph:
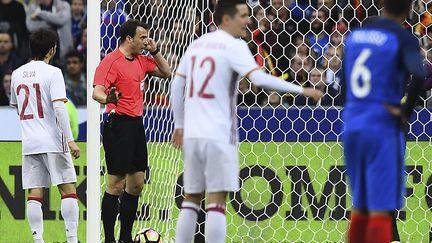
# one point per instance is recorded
(208, 75)
(34, 87)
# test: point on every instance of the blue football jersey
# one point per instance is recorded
(379, 57)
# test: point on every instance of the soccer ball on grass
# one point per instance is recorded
(147, 235)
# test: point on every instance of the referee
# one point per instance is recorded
(119, 83)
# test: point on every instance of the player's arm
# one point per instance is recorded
(177, 101)
(58, 97)
(413, 63)
(63, 121)
(242, 62)
(267, 81)
(13, 98)
(162, 68)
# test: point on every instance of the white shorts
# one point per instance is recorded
(44, 170)
(210, 166)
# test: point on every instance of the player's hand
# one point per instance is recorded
(150, 45)
(113, 96)
(74, 149)
(313, 93)
(177, 138)
(35, 16)
(396, 111)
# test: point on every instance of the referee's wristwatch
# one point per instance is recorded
(155, 51)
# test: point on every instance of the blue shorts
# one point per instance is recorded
(375, 167)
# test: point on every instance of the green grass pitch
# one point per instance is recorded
(308, 192)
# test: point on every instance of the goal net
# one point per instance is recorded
(293, 181)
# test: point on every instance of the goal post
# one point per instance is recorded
(93, 191)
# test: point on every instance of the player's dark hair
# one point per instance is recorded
(75, 53)
(41, 42)
(226, 7)
(129, 28)
(397, 7)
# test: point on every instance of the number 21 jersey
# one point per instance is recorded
(34, 87)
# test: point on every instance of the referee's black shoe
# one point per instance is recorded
(121, 241)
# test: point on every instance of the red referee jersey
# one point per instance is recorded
(127, 76)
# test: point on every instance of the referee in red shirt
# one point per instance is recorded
(119, 83)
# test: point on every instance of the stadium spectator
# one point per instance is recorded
(299, 68)
(113, 17)
(318, 36)
(260, 25)
(124, 70)
(334, 10)
(75, 77)
(53, 14)
(421, 16)
(279, 37)
(354, 11)
(274, 100)
(78, 20)
(82, 47)
(246, 96)
(331, 95)
(333, 63)
(9, 57)
(13, 20)
(5, 90)
(427, 39)
(337, 34)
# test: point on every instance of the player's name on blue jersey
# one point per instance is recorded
(373, 37)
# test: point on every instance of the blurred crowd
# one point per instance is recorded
(299, 41)
(20, 18)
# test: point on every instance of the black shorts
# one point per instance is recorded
(125, 145)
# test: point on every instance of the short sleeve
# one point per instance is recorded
(105, 74)
(13, 98)
(148, 63)
(240, 58)
(57, 86)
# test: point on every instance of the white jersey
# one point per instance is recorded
(212, 66)
(34, 87)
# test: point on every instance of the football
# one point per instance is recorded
(147, 235)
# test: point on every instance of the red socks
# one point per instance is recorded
(357, 228)
(370, 229)
(379, 229)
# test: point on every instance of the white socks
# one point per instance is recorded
(215, 229)
(35, 218)
(70, 214)
(186, 222)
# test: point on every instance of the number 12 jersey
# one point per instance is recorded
(212, 66)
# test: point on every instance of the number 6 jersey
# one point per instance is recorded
(34, 87)
(212, 66)
(379, 57)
